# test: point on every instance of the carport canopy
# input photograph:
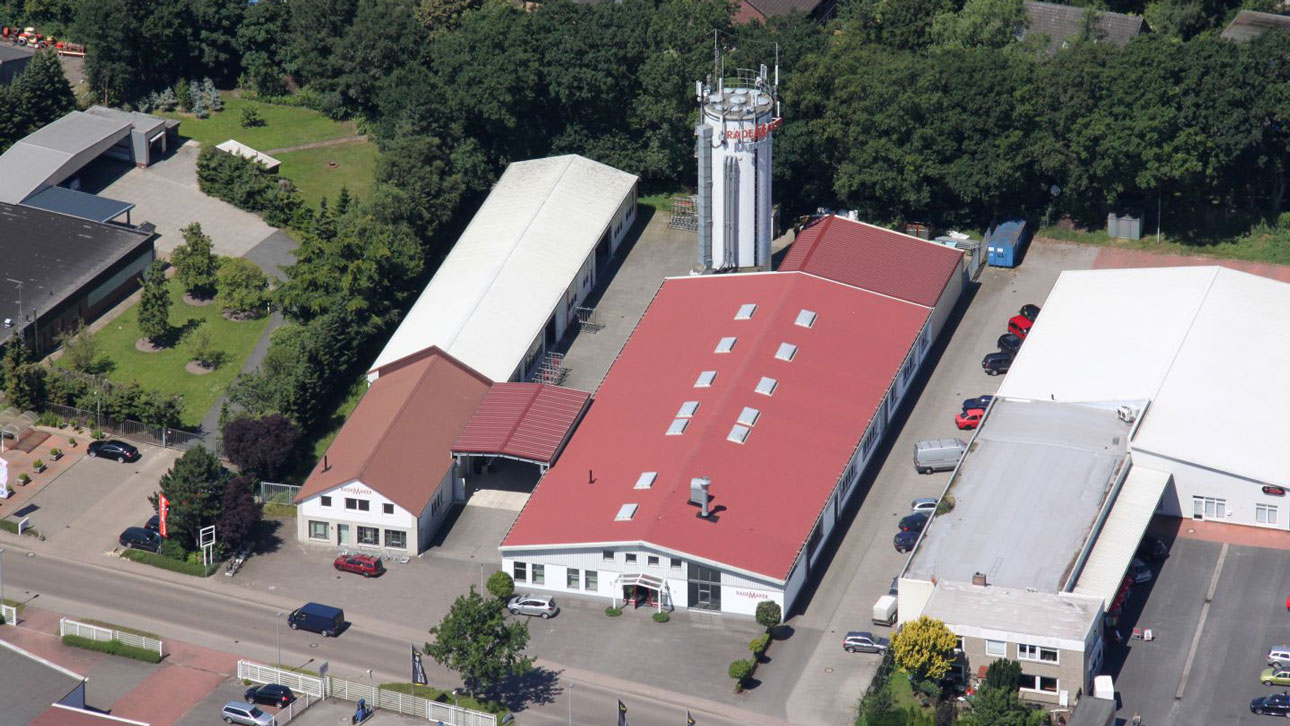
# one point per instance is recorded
(525, 421)
(78, 204)
(1125, 524)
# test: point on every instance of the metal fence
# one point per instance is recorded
(94, 632)
(127, 429)
(280, 493)
(382, 698)
(299, 682)
(295, 708)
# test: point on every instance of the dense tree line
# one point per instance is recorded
(37, 95)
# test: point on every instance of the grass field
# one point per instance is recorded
(355, 169)
(164, 371)
(1259, 245)
(283, 125)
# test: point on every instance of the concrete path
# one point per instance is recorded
(318, 144)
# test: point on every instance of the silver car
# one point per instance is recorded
(926, 505)
(539, 605)
(247, 714)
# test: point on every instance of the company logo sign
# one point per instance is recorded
(353, 489)
(757, 133)
(752, 594)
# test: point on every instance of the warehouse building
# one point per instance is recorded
(513, 282)
(61, 270)
(726, 440)
(12, 62)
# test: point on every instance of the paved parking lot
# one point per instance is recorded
(1230, 635)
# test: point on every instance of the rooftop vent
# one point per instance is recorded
(699, 494)
(687, 409)
(705, 379)
(766, 386)
(746, 311)
(787, 351)
(806, 319)
(646, 480)
(1126, 414)
(978, 579)
(726, 345)
(738, 434)
(625, 513)
(749, 416)
(678, 426)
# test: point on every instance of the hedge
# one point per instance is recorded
(441, 696)
(12, 526)
(112, 647)
(169, 563)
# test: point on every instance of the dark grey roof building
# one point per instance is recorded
(70, 270)
(1062, 24)
(1249, 24)
(12, 60)
(32, 684)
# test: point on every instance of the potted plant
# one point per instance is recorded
(55, 453)
(23, 478)
(71, 443)
(38, 466)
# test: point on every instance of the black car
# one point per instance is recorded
(904, 541)
(113, 449)
(996, 363)
(1009, 343)
(140, 539)
(270, 694)
(981, 402)
(1029, 312)
(1278, 704)
(1152, 549)
(153, 523)
(913, 522)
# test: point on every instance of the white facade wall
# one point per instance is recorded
(752, 214)
(948, 300)
(1242, 500)
(341, 523)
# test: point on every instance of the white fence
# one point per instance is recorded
(298, 682)
(94, 632)
(444, 713)
(10, 614)
(295, 708)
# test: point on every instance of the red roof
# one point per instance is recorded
(873, 258)
(770, 489)
(524, 420)
(399, 439)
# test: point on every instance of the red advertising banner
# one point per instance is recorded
(165, 509)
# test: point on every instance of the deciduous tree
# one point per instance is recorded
(476, 640)
(262, 446)
(239, 514)
(80, 348)
(924, 647)
(243, 287)
(195, 262)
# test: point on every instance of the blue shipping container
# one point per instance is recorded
(1006, 242)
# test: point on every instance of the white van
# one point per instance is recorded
(938, 454)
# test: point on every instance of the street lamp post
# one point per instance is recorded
(570, 704)
(455, 706)
(277, 630)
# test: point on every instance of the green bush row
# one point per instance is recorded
(112, 647)
(9, 525)
(168, 563)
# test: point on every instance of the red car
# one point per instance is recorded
(969, 419)
(1019, 326)
(365, 565)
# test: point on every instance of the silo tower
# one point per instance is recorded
(739, 116)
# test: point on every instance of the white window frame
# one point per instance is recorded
(326, 529)
(1203, 508)
(1035, 683)
(1036, 653)
(573, 578)
(996, 648)
(1265, 514)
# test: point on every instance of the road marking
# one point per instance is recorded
(1200, 627)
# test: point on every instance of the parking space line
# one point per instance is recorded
(1200, 627)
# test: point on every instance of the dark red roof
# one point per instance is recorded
(398, 439)
(771, 488)
(525, 420)
(873, 258)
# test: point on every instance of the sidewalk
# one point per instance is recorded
(1170, 528)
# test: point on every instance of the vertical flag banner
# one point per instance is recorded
(622, 713)
(418, 670)
(164, 506)
(689, 720)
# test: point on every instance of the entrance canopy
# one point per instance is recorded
(1125, 524)
(525, 421)
(649, 582)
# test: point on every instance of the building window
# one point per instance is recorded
(361, 505)
(630, 557)
(318, 530)
(521, 572)
(1025, 651)
(396, 539)
(387, 508)
(369, 536)
(591, 581)
(325, 501)
(1045, 684)
(652, 561)
(1265, 513)
(571, 578)
(607, 555)
(1208, 508)
(539, 574)
(676, 563)
(996, 648)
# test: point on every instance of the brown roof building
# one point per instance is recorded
(386, 482)
(1062, 24)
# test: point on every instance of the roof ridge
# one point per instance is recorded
(392, 420)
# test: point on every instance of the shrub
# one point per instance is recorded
(55, 451)
(611, 611)
(661, 617)
(251, 117)
(167, 563)
(263, 446)
(173, 548)
(768, 614)
(759, 644)
(740, 670)
(24, 478)
(112, 647)
(243, 287)
(945, 505)
(201, 348)
(38, 463)
(9, 525)
(500, 585)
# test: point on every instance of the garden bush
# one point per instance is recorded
(112, 647)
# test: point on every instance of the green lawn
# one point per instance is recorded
(1258, 245)
(355, 169)
(284, 125)
(164, 371)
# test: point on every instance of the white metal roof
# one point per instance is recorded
(511, 267)
(1107, 335)
(1051, 620)
(1108, 563)
(237, 148)
(54, 152)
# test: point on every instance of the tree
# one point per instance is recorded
(243, 287)
(42, 91)
(997, 707)
(768, 614)
(251, 117)
(987, 23)
(194, 486)
(201, 348)
(154, 305)
(476, 640)
(239, 514)
(195, 262)
(925, 648)
(441, 17)
(1003, 674)
(740, 670)
(262, 446)
(138, 45)
(500, 585)
(80, 348)
(24, 378)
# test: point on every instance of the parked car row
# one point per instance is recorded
(1010, 342)
(910, 527)
(269, 694)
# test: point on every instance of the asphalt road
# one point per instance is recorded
(247, 628)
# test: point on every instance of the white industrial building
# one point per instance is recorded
(532, 254)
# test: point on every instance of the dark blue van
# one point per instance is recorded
(323, 619)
